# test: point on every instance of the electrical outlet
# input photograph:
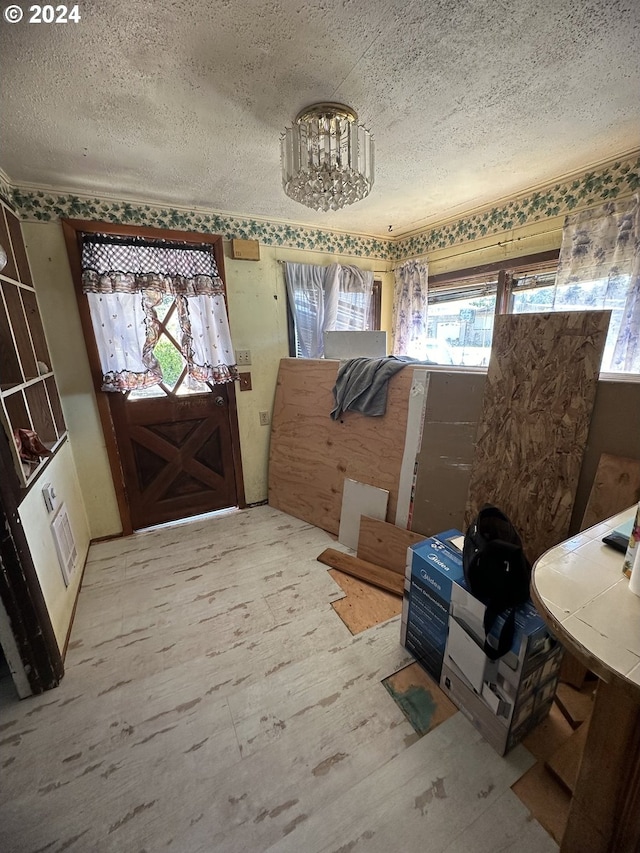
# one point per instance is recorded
(243, 356)
(264, 418)
(50, 497)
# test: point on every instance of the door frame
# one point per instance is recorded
(73, 230)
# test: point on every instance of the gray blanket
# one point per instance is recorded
(361, 384)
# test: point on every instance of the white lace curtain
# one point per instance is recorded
(125, 279)
(327, 299)
(601, 246)
(409, 318)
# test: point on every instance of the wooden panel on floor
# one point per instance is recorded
(615, 487)
(421, 700)
(573, 671)
(575, 705)
(545, 798)
(537, 405)
(564, 764)
(452, 411)
(605, 808)
(385, 544)
(369, 572)
(549, 735)
(364, 605)
(310, 454)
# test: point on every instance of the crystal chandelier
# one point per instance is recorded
(327, 158)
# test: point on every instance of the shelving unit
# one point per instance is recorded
(29, 397)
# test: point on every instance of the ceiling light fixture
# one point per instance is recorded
(327, 158)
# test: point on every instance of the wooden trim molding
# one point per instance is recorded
(510, 264)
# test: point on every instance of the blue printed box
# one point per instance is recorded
(442, 626)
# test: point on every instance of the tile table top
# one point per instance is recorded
(582, 593)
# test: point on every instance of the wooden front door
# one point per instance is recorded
(174, 448)
(176, 454)
(175, 438)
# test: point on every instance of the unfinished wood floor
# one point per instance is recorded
(214, 701)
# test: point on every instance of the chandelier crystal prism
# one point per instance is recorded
(327, 158)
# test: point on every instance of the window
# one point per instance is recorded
(462, 306)
(460, 321)
(333, 298)
(540, 293)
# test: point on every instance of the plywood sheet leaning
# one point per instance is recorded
(311, 454)
(537, 405)
(452, 411)
(385, 544)
(616, 486)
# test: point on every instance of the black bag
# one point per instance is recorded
(497, 573)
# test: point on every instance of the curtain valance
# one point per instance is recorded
(126, 280)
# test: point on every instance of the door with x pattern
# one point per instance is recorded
(175, 438)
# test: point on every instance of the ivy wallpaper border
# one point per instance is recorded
(46, 206)
(617, 179)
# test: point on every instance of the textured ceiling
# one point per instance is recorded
(183, 101)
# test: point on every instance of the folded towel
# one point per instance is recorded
(361, 384)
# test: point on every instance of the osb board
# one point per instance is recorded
(615, 487)
(363, 605)
(452, 411)
(538, 398)
(385, 544)
(419, 697)
(311, 454)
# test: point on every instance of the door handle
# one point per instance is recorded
(219, 401)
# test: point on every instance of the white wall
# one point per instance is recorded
(59, 309)
(258, 319)
(36, 522)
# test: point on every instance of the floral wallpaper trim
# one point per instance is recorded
(617, 179)
(47, 206)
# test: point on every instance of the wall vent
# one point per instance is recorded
(65, 543)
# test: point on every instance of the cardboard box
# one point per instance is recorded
(442, 626)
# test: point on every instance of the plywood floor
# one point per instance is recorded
(214, 701)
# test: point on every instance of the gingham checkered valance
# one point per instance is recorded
(129, 264)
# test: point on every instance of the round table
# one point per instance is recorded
(580, 591)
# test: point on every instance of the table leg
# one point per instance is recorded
(605, 809)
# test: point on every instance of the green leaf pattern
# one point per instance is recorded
(620, 178)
